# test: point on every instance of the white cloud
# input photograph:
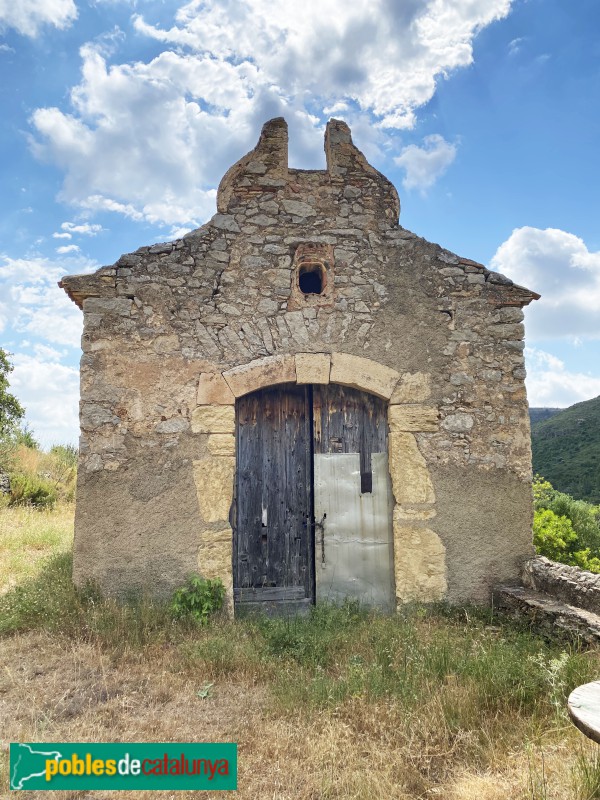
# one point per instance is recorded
(61, 235)
(559, 266)
(84, 229)
(233, 65)
(178, 233)
(550, 384)
(28, 16)
(96, 202)
(424, 165)
(47, 325)
(34, 303)
(49, 391)
(515, 46)
(67, 248)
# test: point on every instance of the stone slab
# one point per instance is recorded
(584, 709)
(213, 389)
(213, 477)
(213, 419)
(413, 418)
(261, 373)
(313, 367)
(363, 373)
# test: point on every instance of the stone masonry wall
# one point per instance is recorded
(175, 332)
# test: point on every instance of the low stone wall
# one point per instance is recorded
(572, 585)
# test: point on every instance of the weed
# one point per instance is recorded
(537, 784)
(198, 599)
(553, 671)
(586, 773)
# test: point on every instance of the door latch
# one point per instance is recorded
(321, 526)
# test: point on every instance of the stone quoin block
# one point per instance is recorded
(213, 389)
(213, 477)
(413, 418)
(221, 444)
(421, 572)
(412, 388)
(213, 419)
(411, 482)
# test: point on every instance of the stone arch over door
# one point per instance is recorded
(419, 554)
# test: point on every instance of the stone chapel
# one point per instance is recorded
(303, 399)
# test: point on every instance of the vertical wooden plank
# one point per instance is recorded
(248, 487)
(273, 491)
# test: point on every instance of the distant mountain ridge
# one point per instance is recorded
(540, 414)
(566, 448)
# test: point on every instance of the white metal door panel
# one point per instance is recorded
(353, 538)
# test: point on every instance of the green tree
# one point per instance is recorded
(553, 536)
(565, 529)
(11, 411)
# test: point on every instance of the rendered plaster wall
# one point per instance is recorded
(173, 333)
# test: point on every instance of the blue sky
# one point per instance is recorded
(119, 118)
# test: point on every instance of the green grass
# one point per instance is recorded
(334, 654)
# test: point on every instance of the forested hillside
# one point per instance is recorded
(566, 449)
(539, 414)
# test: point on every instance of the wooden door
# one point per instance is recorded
(273, 555)
(313, 510)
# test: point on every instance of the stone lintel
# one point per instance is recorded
(313, 367)
(363, 373)
(262, 372)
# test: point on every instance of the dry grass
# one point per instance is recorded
(28, 535)
(343, 706)
(52, 689)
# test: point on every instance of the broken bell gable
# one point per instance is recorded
(304, 399)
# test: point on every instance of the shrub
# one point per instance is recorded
(41, 479)
(32, 490)
(198, 599)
